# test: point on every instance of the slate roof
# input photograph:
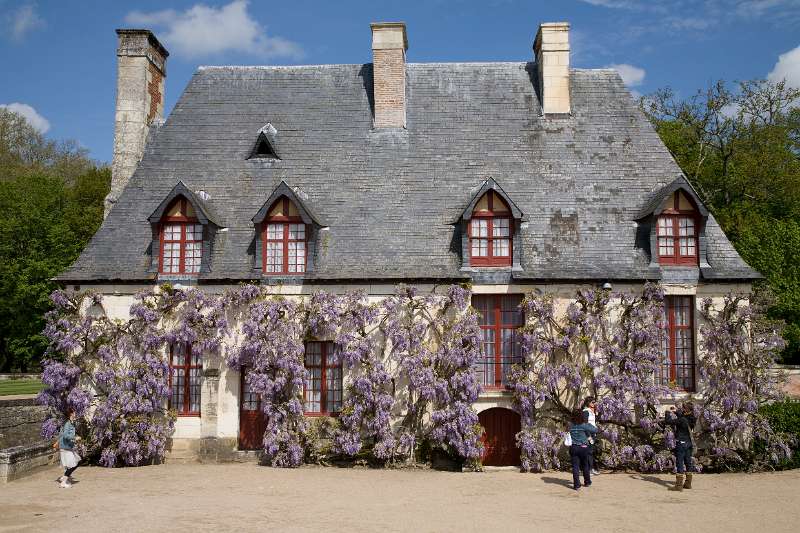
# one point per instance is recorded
(389, 198)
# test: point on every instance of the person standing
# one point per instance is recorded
(580, 432)
(590, 408)
(66, 444)
(683, 422)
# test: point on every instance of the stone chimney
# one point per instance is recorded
(141, 69)
(551, 48)
(389, 45)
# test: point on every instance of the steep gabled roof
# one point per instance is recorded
(389, 198)
(491, 185)
(656, 203)
(203, 210)
(284, 190)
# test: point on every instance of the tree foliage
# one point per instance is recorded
(740, 148)
(51, 203)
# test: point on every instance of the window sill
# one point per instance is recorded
(320, 415)
(495, 392)
(189, 415)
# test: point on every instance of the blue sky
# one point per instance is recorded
(59, 65)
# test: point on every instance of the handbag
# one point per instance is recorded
(568, 439)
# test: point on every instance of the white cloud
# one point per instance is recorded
(613, 4)
(631, 76)
(203, 31)
(37, 121)
(788, 68)
(23, 21)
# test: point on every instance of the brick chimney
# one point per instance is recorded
(389, 45)
(141, 69)
(551, 48)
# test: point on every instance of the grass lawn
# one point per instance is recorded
(20, 386)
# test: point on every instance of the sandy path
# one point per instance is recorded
(245, 497)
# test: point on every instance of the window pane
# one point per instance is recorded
(666, 246)
(275, 231)
(179, 354)
(172, 232)
(510, 312)
(297, 257)
(194, 390)
(274, 256)
(500, 227)
(501, 247)
(250, 398)
(480, 247)
(176, 400)
(665, 227)
(191, 260)
(194, 232)
(686, 227)
(480, 227)
(297, 232)
(687, 246)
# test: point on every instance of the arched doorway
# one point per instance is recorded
(501, 427)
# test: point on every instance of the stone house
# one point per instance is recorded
(512, 176)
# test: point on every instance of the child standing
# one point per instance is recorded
(66, 443)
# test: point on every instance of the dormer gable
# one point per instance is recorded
(490, 226)
(675, 220)
(183, 228)
(285, 234)
(264, 147)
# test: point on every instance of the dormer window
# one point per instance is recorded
(181, 239)
(490, 232)
(284, 239)
(677, 232)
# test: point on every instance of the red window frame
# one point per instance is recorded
(328, 383)
(678, 347)
(285, 221)
(500, 319)
(183, 241)
(674, 216)
(188, 393)
(491, 217)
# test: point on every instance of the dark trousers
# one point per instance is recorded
(684, 461)
(68, 472)
(580, 463)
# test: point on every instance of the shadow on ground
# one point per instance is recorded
(653, 479)
(557, 481)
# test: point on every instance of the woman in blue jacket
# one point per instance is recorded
(580, 431)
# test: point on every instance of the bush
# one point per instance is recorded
(784, 417)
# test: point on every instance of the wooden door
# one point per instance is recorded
(499, 438)
(251, 420)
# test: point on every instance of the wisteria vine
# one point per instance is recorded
(409, 358)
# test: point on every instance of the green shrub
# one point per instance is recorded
(784, 417)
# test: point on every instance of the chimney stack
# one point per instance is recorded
(389, 45)
(551, 49)
(141, 69)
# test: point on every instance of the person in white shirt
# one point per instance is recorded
(590, 407)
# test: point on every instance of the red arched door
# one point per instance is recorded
(499, 438)
(251, 420)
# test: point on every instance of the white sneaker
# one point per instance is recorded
(65, 484)
(595, 473)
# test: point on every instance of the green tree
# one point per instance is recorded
(740, 148)
(51, 203)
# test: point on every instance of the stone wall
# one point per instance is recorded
(20, 422)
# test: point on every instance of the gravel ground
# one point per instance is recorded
(246, 497)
